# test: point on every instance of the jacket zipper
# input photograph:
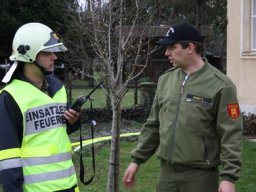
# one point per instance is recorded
(182, 86)
(176, 118)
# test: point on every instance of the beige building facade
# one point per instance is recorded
(241, 51)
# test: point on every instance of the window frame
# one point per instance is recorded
(247, 50)
(253, 26)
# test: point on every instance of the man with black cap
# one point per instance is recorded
(195, 122)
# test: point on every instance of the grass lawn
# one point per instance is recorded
(147, 176)
(247, 182)
(99, 97)
(148, 173)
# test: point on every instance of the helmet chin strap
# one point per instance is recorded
(42, 69)
(9, 74)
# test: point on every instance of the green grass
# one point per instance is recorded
(99, 97)
(147, 176)
(247, 182)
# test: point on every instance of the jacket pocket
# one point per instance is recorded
(195, 116)
(206, 157)
(190, 149)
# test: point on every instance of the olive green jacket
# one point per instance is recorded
(194, 121)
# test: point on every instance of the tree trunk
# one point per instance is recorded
(90, 71)
(135, 92)
(198, 14)
(113, 175)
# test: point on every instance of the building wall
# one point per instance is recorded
(241, 65)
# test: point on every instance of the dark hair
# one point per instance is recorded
(198, 46)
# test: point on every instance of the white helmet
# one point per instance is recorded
(28, 41)
(32, 38)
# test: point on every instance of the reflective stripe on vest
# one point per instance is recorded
(24, 162)
(45, 149)
(46, 160)
(10, 163)
(35, 178)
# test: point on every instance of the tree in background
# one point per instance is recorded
(15, 13)
(58, 15)
(199, 13)
(111, 38)
(119, 32)
(55, 14)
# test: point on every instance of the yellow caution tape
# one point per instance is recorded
(99, 139)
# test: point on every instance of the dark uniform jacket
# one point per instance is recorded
(11, 132)
(195, 121)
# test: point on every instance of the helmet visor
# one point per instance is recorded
(54, 44)
(55, 48)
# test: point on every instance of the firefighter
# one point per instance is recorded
(35, 151)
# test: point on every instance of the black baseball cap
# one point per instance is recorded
(180, 32)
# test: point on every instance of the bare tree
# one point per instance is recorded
(116, 35)
(119, 33)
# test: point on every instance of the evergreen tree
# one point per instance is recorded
(15, 13)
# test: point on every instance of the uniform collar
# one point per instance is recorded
(202, 69)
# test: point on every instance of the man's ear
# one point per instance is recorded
(191, 48)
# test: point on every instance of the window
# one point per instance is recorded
(253, 46)
(248, 27)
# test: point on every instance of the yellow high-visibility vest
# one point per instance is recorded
(45, 152)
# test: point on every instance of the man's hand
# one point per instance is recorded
(226, 186)
(71, 116)
(129, 175)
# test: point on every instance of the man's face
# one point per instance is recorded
(46, 60)
(177, 55)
